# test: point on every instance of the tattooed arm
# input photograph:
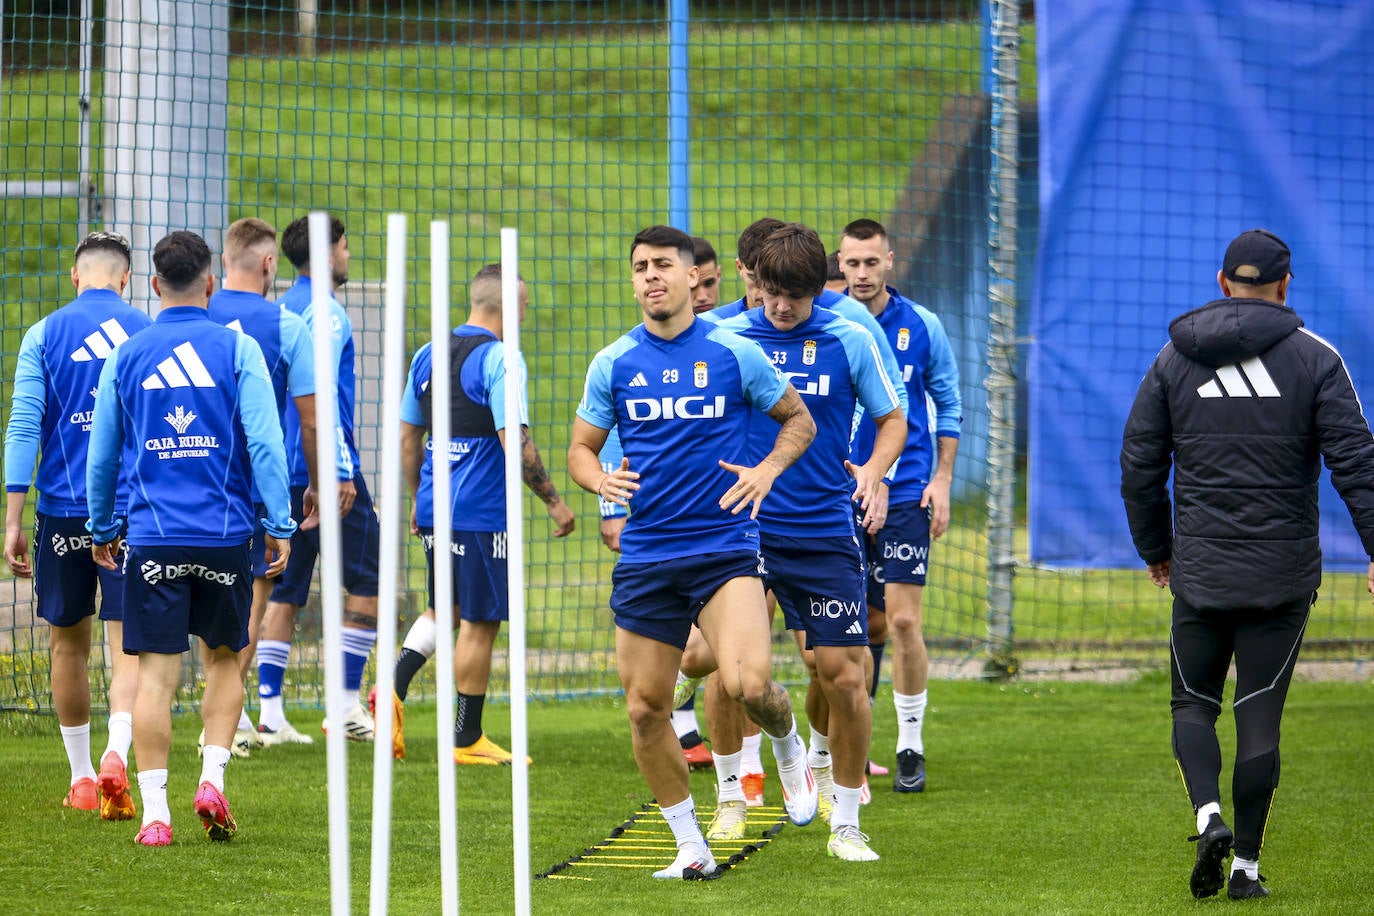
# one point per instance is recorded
(536, 477)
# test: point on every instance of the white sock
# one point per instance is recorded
(819, 756)
(213, 762)
(682, 818)
(684, 721)
(420, 636)
(750, 761)
(728, 785)
(911, 713)
(121, 735)
(350, 698)
(1204, 814)
(245, 723)
(788, 748)
(152, 791)
(1249, 866)
(846, 811)
(77, 740)
(273, 713)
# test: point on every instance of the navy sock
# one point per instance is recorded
(468, 727)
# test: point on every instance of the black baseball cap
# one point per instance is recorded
(111, 240)
(1256, 257)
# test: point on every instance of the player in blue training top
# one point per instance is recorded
(919, 497)
(250, 268)
(477, 462)
(813, 560)
(705, 297)
(54, 390)
(187, 409)
(836, 284)
(695, 659)
(360, 535)
(680, 391)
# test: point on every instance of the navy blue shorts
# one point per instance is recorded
(820, 585)
(479, 573)
(65, 574)
(174, 593)
(873, 564)
(904, 544)
(360, 537)
(661, 600)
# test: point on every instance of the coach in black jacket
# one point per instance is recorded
(1243, 403)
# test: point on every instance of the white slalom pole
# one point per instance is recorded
(515, 566)
(389, 502)
(331, 555)
(440, 434)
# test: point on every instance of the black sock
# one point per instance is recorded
(408, 664)
(468, 727)
(691, 739)
(877, 652)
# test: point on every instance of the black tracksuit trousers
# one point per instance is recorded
(1265, 646)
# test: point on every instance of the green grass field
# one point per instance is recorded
(1044, 798)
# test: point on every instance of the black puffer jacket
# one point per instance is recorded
(1243, 403)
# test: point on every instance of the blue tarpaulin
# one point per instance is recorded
(1167, 128)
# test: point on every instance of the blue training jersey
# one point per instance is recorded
(477, 463)
(55, 381)
(834, 364)
(728, 310)
(283, 338)
(854, 310)
(680, 406)
(297, 300)
(611, 452)
(187, 407)
(928, 367)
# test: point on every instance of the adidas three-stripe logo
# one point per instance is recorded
(1231, 382)
(639, 381)
(183, 370)
(98, 345)
(855, 629)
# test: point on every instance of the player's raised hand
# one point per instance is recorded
(17, 552)
(620, 485)
(753, 485)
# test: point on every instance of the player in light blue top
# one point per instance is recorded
(360, 533)
(186, 408)
(54, 392)
(919, 509)
(681, 392)
(476, 365)
(250, 268)
(751, 241)
(813, 560)
(705, 297)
